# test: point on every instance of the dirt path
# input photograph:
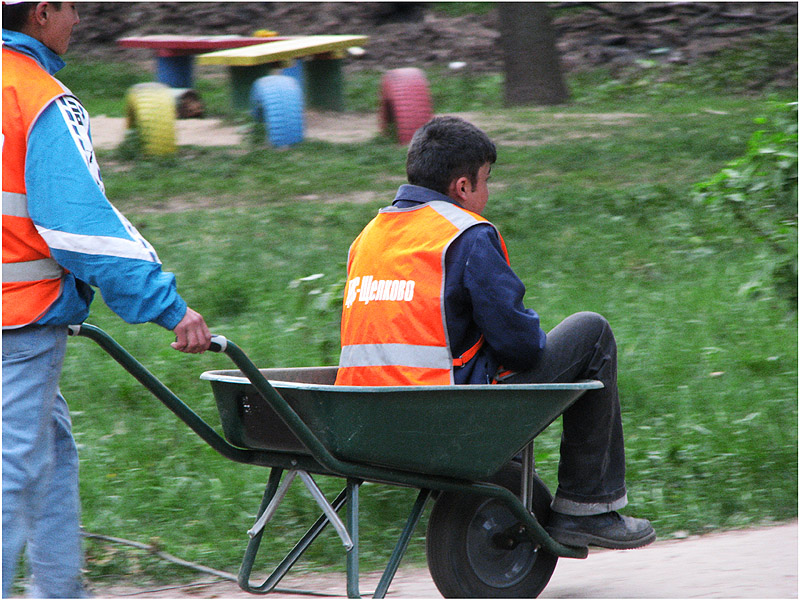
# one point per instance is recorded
(752, 563)
(350, 128)
(108, 132)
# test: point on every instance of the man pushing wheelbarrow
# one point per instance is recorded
(61, 236)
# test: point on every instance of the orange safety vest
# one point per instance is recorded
(31, 278)
(394, 329)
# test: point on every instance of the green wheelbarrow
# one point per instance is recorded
(467, 448)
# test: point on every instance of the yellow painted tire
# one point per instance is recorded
(150, 110)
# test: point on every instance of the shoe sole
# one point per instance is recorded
(582, 540)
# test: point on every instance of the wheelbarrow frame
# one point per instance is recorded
(320, 460)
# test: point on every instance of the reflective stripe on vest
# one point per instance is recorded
(15, 205)
(401, 339)
(31, 278)
(32, 270)
(385, 355)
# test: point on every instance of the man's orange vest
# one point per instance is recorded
(31, 278)
(394, 329)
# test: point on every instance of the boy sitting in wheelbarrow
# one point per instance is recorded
(432, 300)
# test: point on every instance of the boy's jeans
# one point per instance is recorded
(41, 506)
(591, 472)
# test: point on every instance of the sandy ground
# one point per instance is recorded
(108, 132)
(753, 563)
(349, 128)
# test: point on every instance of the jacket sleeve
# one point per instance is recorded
(512, 331)
(86, 234)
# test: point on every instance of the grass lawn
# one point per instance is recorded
(595, 202)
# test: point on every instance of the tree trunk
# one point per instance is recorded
(531, 64)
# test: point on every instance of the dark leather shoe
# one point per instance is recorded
(608, 530)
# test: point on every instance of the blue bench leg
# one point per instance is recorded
(175, 71)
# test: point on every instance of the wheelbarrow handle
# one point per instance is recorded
(164, 394)
(219, 343)
(195, 422)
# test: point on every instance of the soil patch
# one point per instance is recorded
(415, 34)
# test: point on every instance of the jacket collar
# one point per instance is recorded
(414, 194)
(50, 61)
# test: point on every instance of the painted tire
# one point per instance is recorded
(150, 110)
(277, 100)
(405, 103)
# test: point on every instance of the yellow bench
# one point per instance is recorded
(322, 72)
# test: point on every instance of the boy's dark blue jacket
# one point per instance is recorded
(483, 295)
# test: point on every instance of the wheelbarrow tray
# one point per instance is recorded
(465, 431)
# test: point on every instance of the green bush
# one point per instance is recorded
(760, 190)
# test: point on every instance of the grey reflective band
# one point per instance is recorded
(32, 270)
(406, 355)
(15, 205)
(458, 217)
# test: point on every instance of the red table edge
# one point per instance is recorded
(185, 46)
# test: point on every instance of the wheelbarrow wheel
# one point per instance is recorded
(475, 549)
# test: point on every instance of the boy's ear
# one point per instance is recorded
(458, 188)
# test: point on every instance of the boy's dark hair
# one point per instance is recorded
(444, 149)
(16, 15)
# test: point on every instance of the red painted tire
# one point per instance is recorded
(405, 103)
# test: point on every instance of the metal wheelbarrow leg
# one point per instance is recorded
(271, 495)
(348, 496)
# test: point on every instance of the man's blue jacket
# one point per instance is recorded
(86, 234)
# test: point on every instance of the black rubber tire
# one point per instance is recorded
(465, 555)
(405, 103)
(277, 100)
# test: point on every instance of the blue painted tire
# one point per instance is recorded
(277, 100)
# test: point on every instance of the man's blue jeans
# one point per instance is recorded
(41, 506)
(591, 471)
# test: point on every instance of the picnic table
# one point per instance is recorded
(175, 53)
(322, 65)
